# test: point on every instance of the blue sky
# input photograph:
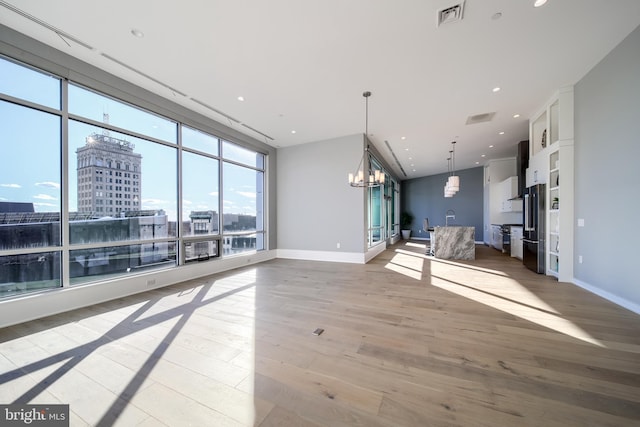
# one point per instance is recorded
(30, 143)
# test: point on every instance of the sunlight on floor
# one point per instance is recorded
(504, 294)
(406, 265)
(135, 355)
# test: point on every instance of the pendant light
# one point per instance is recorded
(448, 192)
(453, 180)
(374, 177)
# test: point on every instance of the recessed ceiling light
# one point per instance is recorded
(477, 163)
(501, 133)
(293, 131)
(539, 3)
(403, 138)
(515, 116)
(241, 98)
(139, 34)
(406, 149)
(410, 158)
(496, 89)
(484, 155)
(491, 146)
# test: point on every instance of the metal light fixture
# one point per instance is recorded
(452, 185)
(448, 192)
(454, 180)
(374, 177)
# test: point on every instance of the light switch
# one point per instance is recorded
(580, 222)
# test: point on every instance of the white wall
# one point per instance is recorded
(317, 209)
(607, 152)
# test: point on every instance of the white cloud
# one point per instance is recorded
(11, 185)
(49, 184)
(46, 205)
(154, 202)
(214, 194)
(247, 194)
(44, 197)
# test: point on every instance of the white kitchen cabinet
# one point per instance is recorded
(496, 236)
(516, 242)
(509, 190)
(538, 168)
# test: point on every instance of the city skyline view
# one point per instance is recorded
(30, 136)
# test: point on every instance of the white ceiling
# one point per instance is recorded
(303, 65)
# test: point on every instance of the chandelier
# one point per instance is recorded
(375, 177)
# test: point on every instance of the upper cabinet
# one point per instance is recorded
(553, 123)
(509, 191)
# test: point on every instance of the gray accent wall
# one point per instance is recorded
(607, 173)
(424, 198)
(317, 209)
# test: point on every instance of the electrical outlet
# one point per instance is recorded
(580, 222)
(151, 282)
(338, 245)
(579, 259)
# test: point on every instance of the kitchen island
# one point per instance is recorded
(454, 242)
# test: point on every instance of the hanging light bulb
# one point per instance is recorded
(453, 180)
(374, 177)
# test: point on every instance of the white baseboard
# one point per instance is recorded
(622, 302)
(349, 257)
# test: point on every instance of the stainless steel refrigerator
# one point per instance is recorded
(533, 242)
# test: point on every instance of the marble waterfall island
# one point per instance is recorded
(454, 242)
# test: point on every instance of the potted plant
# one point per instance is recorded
(406, 219)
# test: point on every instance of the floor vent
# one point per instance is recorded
(480, 118)
(450, 14)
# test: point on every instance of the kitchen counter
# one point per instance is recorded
(454, 242)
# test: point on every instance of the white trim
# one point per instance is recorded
(622, 302)
(375, 251)
(349, 257)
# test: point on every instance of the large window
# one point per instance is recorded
(108, 189)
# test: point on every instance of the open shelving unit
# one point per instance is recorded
(551, 145)
(553, 222)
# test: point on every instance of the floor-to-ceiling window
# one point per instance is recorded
(94, 188)
(382, 208)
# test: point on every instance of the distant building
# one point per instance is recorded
(109, 176)
(202, 223)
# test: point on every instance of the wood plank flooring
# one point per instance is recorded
(408, 341)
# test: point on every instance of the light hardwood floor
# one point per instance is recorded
(408, 341)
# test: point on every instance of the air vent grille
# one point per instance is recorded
(215, 110)
(395, 158)
(60, 33)
(146, 76)
(450, 14)
(480, 118)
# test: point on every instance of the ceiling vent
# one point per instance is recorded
(480, 118)
(64, 36)
(450, 14)
(395, 158)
